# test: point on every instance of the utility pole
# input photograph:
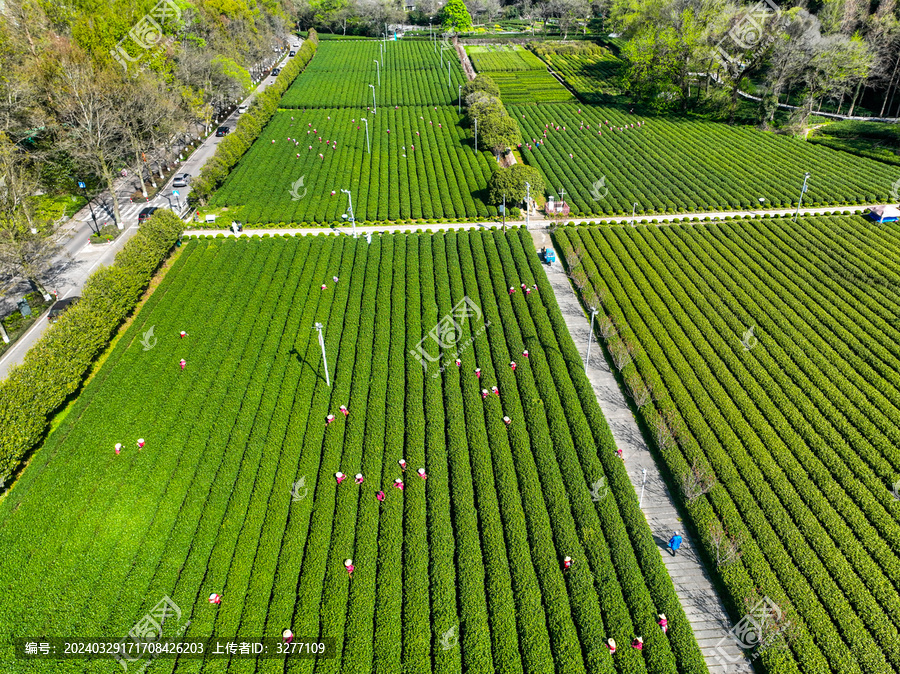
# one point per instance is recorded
(587, 360)
(374, 104)
(378, 68)
(319, 326)
(368, 147)
(802, 192)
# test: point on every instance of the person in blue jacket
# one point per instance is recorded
(675, 543)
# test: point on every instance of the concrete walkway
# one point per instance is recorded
(701, 603)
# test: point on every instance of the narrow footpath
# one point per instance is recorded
(701, 603)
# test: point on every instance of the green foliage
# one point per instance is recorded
(511, 182)
(54, 367)
(503, 57)
(455, 17)
(250, 125)
(781, 376)
(231, 69)
(499, 133)
(876, 140)
(684, 165)
(461, 572)
(481, 83)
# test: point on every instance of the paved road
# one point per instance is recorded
(535, 223)
(81, 258)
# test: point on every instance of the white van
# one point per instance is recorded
(242, 108)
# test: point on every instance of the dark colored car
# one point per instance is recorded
(60, 307)
(223, 130)
(146, 213)
(275, 72)
(293, 53)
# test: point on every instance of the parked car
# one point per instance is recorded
(223, 130)
(293, 53)
(242, 108)
(181, 180)
(275, 72)
(146, 213)
(59, 307)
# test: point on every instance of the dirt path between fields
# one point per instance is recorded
(464, 59)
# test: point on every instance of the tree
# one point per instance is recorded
(28, 244)
(455, 18)
(511, 182)
(500, 133)
(696, 481)
(483, 84)
(85, 98)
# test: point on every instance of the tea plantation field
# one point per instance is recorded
(412, 73)
(772, 349)
(606, 159)
(422, 165)
(521, 76)
(234, 492)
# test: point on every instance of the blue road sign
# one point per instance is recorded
(81, 185)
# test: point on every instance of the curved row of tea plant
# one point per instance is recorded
(797, 419)
(234, 491)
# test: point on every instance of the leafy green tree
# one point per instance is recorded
(511, 182)
(481, 83)
(500, 133)
(455, 17)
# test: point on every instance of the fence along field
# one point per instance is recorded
(426, 167)
(605, 164)
(412, 73)
(235, 493)
(774, 347)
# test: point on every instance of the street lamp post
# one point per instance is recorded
(503, 211)
(802, 192)
(633, 211)
(349, 213)
(587, 360)
(459, 100)
(448, 73)
(476, 135)
(378, 68)
(374, 104)
(319, 326)
(368, 146)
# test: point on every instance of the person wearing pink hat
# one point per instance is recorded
(359, 478)
(182, 362)
(402, 463)
(422, 473)
(348, 564)
(140, 443)
(398, 483)
(340, 477)
(215, 598)
(663, 623)
(329, 419)
(379, 495)
(478, 372)
(638, 643)
(619, 453)
(118, 447)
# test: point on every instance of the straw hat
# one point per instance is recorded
(348, 562)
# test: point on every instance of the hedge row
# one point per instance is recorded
(54, 367)
(250, 124)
